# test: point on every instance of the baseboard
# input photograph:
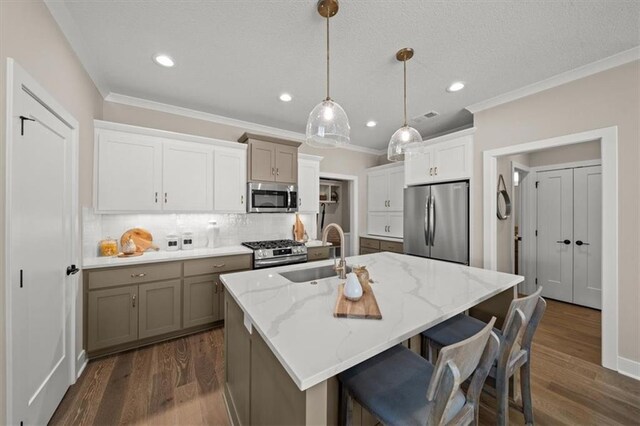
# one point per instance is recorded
(629, 368)
(81, 363)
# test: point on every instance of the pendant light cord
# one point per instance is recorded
(405, 92)
(328, 98)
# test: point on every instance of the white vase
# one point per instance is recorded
(352, 288)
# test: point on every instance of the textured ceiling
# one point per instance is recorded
(234, 58)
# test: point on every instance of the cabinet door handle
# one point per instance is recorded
(165, 197)
(273, 171)
(215, 287)
(138, 275)
(565, 242)
(579, 243)
(436, 171)
(156, 197)
(277, 171)
(389, 203)
(242, 199)
(299, 202)
(133, 301)
(430, 171)
(219, 265)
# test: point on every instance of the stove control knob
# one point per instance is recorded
(260, 253)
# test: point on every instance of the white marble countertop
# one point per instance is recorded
(162, 256)
(296, 319)
(380, 237)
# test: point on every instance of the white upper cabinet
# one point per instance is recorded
(440, 161)
(385, 188)
(230, 179)
(128, 172)
(146, 170)
(187, 176)
(308, 183)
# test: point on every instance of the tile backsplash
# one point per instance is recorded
(233, 229)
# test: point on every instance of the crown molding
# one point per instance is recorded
(559, 79)
(219, 119)
(68, 26)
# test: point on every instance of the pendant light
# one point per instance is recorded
(328, 124)
(405, 134)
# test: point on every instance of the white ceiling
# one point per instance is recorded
(235, 57)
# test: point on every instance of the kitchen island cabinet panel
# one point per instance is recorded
(112, 317)
(159, 308)
(237, 359)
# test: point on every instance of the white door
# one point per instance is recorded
(129, 172)
(377, 190)
(452, 160)
(587, 231)
(396, 190)
(418, 166)
(377, 223)
(395, 226)
(41, 239)
(187, 176)
(555, 234)
(230, 180)
(308, 186)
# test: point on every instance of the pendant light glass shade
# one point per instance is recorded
(328, 125)
(399, 141)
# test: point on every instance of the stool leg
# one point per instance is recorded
(502, 397)
(346, 407)
(527, 401)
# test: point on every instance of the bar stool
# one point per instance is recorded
(399, 387)
(516, 336)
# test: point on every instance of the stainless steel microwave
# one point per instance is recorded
(272, 198)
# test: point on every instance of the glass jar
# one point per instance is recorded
(108, 247)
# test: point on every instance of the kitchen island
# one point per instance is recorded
(283, 346)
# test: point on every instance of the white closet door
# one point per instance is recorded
(555, 234)
(587, 231)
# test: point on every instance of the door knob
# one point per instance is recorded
(567, 242)
(579, 243)
(72, 270)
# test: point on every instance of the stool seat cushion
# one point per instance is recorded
(457, 329)
(393, 387)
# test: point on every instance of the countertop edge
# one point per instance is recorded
(382, 238)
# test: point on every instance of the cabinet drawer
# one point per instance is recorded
(214, 265)
(391, 246)
(369, 243)
(366, 250)
(318, 253)
(133, 275)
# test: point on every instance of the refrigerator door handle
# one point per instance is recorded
(432, 218)
(427, 220)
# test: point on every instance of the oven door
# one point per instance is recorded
(271, 198)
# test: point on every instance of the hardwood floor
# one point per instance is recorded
(180, 381)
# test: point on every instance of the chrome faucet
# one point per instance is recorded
(341, 267)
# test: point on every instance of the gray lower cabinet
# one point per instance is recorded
(237, 360)
(201, 303)
(159, 311)
(112, 317)
(318, 253)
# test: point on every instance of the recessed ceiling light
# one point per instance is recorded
(458, 85)
(285, 97)
(164, 60)
(371, 123)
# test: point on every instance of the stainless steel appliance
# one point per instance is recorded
(436, 221)
(277, 253)
(271, 197)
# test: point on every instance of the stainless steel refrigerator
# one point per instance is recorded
(436, 221)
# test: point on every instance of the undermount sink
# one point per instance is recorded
(311, 274)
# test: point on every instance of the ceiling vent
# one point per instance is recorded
(424, 117)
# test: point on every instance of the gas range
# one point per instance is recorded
(276, 253)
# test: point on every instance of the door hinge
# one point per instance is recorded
(537, 182)
(22, 119)
(20, 278)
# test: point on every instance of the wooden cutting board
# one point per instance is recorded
(141, 238)
(366, 308)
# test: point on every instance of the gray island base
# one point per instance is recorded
(284, 348)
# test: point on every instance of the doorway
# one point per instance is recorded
(42, 249)
(339, 204)
(608, 142)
